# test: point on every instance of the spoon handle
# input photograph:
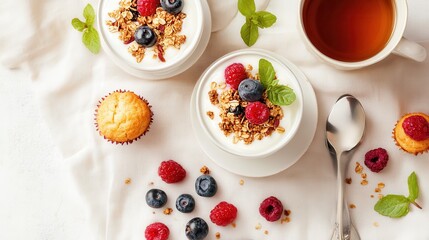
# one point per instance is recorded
(343, 216)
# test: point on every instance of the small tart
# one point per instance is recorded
(123, 116)
(405, 142)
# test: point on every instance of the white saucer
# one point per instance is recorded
(277, 162)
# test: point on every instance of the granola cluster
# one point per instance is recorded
(227, 99)
(166, 26)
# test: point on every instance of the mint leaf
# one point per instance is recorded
(90, 35)
(396, 206)
(265, 19)
(262, 19)
(78, 24)
(281, 95)
(89, 14)
(249, 33)
(278, 94)
(413, 187)
(91, 39)
(254, 19)
(393, 206)
(246, 7)
(266, 73)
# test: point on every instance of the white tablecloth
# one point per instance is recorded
(68, 80)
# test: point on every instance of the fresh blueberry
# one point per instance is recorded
(145, 36)
(206, 186)
(237, 110)
(250, 90)
(156, 198)
(185, 203)
(172, 6)
(196, 229)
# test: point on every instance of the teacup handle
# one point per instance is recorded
(411, 50)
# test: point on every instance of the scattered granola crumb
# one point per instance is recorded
(266, 232)
(358, 168)
(381, 185)
(376, 224)
(153, 212)
(380, 196)
(287, 212)
(233, 225)
(205, 170)
(217, 235)
(213, 96)
(285, 220)
(372, 196)
(127, 181)
(349, 180)
(258, 226)
(150, 184)
(241, 182)
(352, 206)
(377, 190)
(210, 114)
(249, 67)
(280, 129)
(168, 211)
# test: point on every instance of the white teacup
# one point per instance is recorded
(395, 43)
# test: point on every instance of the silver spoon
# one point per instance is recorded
(344, 130)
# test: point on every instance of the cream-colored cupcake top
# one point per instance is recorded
(404, 141)
(123, 117)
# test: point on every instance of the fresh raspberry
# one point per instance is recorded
(147, 7)
(234, 74)
(171, 171)
(416, 127)
(223, 214)
(376, 159)
(257, 113)
(271, 209)
(157, 231)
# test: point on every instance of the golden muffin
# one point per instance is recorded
(123, 116)
(411, 133)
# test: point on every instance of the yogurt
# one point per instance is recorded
(258, 148)
(196, 27)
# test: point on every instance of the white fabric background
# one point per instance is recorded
(81, 189)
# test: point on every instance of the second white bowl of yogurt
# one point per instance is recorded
(232, 129)
(182, 38)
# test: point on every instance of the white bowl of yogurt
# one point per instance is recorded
(196, 26)
(209, 115)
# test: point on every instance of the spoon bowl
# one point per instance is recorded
(345, 128)
(346, 123)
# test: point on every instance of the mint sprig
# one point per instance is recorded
(396, 206)
(278, 94)
(90, 36)
(254, 20)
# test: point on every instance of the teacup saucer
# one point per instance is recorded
(277, 162)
